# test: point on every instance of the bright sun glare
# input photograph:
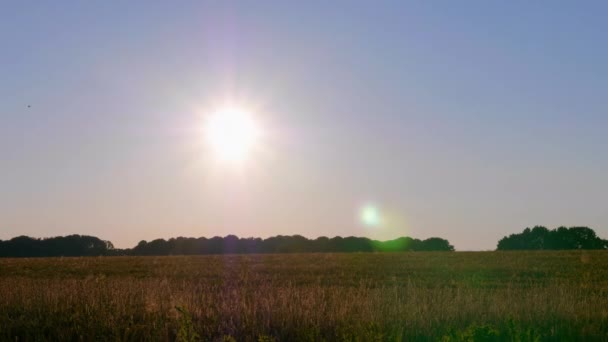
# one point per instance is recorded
(232, 133)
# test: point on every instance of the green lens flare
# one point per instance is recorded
(370, 216)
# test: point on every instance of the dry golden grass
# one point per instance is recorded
(310, 297)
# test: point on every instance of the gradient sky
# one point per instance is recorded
(465, 120)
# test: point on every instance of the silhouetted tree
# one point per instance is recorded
(72, 245)
(436, 244)
(540, 237)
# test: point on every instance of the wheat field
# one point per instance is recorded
(460, 296)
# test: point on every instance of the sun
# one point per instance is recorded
(232, 133)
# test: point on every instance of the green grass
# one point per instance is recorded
(509, 296)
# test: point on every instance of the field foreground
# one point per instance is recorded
(511, 296)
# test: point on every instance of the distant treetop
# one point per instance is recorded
(540, 237)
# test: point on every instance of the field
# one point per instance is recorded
(511, 296)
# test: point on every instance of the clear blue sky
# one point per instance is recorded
(465, 120)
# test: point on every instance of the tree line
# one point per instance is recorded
(81, 245)
(541, 238)
(72, 245)
(285, 244)
(537, 238)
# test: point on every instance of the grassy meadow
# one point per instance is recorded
(460, 296)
